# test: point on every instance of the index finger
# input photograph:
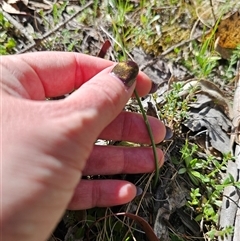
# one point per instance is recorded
(58, 73)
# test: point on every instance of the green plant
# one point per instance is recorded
(213, 233)
(175, 108)
(122, 8)
(230, 69)
(205, 57)
(206, 198)
(174, 237)
(191, 163)
(7, 43)
(95, 8)
(135, 23)
(58, 10)
(117, 13)
(205, 61)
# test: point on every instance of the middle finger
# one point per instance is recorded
(128, 126)
(109, 160)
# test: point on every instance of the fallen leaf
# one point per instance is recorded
(210, 112)
(15, 1)
(216, 124)
(12, 6)
(8, 8)
(12, 1)
(209, 89)
(228, 35)
(36, 5)
(25, 2)
(228, 31)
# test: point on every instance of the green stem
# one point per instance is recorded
(143, 114)
(151, 137)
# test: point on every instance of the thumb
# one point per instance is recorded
(103, 97)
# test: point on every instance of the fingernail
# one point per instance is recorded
(169, 133)
(126, 72)
(154, 88)
(139, 191)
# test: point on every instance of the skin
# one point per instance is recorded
(48, 145)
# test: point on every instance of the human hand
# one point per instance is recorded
(48, 145)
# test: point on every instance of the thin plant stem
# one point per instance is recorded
(151, 138)
(125, 53)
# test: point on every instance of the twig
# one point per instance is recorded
(177, 46)
(55, 28)
(169, 50)
(212, 10)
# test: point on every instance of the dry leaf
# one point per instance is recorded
(45, 5)
(15, 1)
(12, 6)
(228, 31)
(209, 89)
(12, 1)
(228, 35)
(211, 112)
(213, 121)
(25, 2)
